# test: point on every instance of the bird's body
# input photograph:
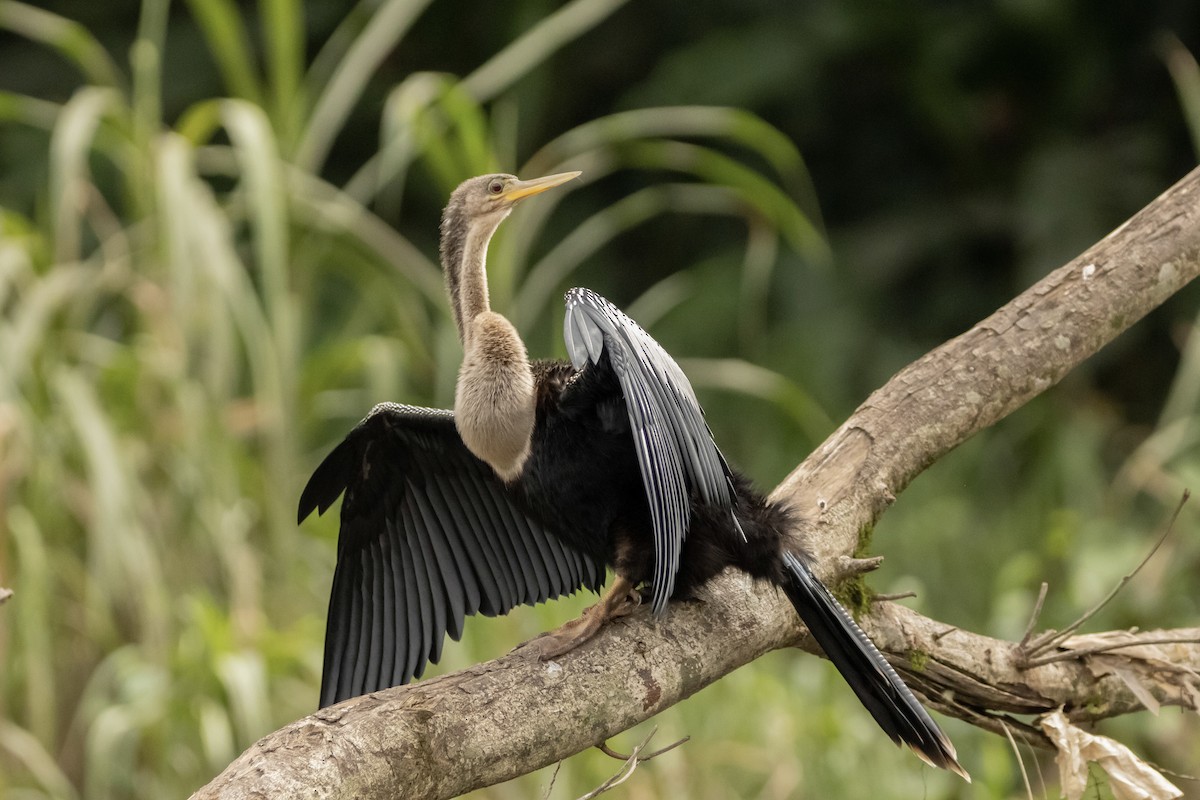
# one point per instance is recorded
(593, 495)
(545, 474)
(586, 494)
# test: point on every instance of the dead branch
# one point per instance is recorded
(1034, 649)
(608, 751)
(631, 763)
(489, 723)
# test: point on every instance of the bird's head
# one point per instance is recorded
(492, 197)
(472, 215)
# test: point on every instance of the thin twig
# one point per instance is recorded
(1180, 775)
(553, 778)
(1020, 759)
(1068, 655)
(604, 748)
(942, 634)
(997, 723)
(1037, 763)
(1052, 639)
(847, 567)
(616, 780)
(896, 596)
(1033, 618)
(631, 763)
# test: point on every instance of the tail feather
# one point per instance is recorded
(877, 685)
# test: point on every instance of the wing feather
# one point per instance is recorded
(412, 607)
(462, 591)
(392, 664)
(560, 567)
(410, 599)
(435, 621)
(428, 536)
(675, 450)
(339, 625)
(524, 569)
(488, 567)
(494, 534)
(360, 623)
(379, 595)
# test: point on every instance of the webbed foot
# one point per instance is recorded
(620, 600)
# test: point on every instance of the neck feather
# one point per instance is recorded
(464, 260)
(473, 287)
(494, 399)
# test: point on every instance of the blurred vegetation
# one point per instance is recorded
(217, 233)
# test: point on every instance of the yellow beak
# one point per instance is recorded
(519, 190)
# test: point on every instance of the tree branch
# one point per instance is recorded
(510, 716)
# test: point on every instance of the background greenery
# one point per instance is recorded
(217, 226)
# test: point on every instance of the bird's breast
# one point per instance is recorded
(494, 398)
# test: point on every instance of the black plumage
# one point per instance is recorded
(428, 537)
(546, 474)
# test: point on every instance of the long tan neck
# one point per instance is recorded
(494, 398)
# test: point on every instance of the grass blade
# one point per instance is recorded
(1185, 73)
(72, 41)
(734, 125)
(70, 147)
(30, 111)
(536, 45)
(24, 749)
(229, 44)
(550, 273)
(350, 77)
(266, 202)
(741, 377)
(283, 31)
(33, 626)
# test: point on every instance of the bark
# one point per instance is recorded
(510, 716)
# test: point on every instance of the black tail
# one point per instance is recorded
(877, 685)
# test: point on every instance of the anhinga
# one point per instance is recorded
(544, 474)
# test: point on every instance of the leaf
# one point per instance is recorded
(536, 45)
(1130, 777)
(230, 46)
(72, 40)
(370, 47)
(1130, 679)
(1141, 667)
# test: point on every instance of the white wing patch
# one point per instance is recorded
(675, 449)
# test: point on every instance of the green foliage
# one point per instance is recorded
(191, 304)
(207, 276)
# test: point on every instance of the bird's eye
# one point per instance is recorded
(495, 187)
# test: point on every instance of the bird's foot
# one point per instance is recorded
(625, 605)
(620, 600)
(565, 638)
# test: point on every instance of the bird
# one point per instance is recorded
(545, 474)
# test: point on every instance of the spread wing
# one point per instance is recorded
(428, 536)
(675, 449)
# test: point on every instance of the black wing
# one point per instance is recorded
(675, 449)
(428, 536)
